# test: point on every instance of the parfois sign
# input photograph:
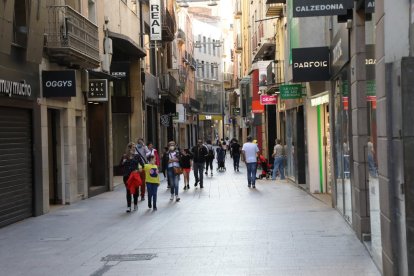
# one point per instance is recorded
(311, 64)
(307, 8)
(155, 20)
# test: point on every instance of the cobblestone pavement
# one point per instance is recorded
(224, 229)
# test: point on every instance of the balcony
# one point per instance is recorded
(168, 85)
(237, 9)
(168, 26)
(72, 40)
(275, 8)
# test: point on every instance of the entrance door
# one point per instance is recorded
(55, 190)
(98, 152)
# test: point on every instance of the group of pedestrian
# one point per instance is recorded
(141, 165)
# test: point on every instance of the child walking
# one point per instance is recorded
(152, 179)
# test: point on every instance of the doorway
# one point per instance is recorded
(54, 147)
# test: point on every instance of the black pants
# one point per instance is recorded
(128, 193)
(236, 161)
(209, 162)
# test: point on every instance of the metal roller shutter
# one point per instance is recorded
(16, 196)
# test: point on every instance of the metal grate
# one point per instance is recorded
(128, 257)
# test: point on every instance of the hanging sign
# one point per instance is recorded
(59, 83)
(98, 90)
(155, 20)
(290, 91)
(257, 107)
(369, 6)
(268, 99)
(307, 8)
(311, 64)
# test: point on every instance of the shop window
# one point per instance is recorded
(20, 22)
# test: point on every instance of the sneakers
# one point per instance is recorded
(128, 210)
(155, 208)
(188, 186)
(254, 186)
(177, 199)
(172, 197)
(135, 207)
(142, 198)
(149, 205)
(206, 173)
(211, 174)
(249, 185)
(195, 184)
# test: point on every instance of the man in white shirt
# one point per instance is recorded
(249, 152)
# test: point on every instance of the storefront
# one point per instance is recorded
(20, 155)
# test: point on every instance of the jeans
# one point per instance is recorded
(278, 166)
(371, 166)
(152, 194)
(236, 161)
(174, 181)
(198, 168)
(209, 163)
(251, 173)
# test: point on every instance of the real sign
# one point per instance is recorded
(268, 99)
(59, 83)
(306, 8)
(98, 90)
(155, 20)
(311, 64)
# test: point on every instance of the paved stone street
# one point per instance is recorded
(224, 229)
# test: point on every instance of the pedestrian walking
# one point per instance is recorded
(249, 152)
(153, 152)
(142, 150)
(129, 163)
(279, 156)
(235, 150)
(185, 163)
(210, 157)
(199, 159)
(173, 162)
(152, 179)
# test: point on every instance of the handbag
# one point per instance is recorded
(178, 170)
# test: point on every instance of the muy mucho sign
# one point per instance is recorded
(268, 99)
(307, 8)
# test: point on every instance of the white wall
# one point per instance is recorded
(313, 147)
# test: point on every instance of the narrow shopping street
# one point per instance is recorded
(224, 229)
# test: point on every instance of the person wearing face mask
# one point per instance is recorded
(173, 161)
(200, 153)
(141, 151)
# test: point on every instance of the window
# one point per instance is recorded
(91, 11)
(204, 44)
(208, 71)
(214, 48)
(212, 71)
(20, 21)
(209, 46)
(199, 40)
(202, 69)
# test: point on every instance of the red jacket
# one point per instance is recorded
(134, 181)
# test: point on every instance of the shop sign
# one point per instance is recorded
(236, 111)
(59, 83)
(306, 8)
(257, 107)
(340, 49)
(369, 6)
(290, 91)
(210, 117)
(311, 64)
(98, 90)
(268, 99)
(320, 100)
(14, 88)
(155, 20)
(180, 115)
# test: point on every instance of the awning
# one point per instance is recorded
(127, 45)
(266, 51)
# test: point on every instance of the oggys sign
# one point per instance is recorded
(307, 8)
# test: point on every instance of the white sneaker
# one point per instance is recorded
(128, 210)
(177, 199)
(172, 197)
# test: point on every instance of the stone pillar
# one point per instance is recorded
(359, 124)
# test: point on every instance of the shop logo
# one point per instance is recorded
(15, 88)
(311, 64)
(302, 8)
(59, 83)
(155, 20)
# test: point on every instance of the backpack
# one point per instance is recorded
(210, 151)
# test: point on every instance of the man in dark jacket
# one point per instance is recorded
(199, 158)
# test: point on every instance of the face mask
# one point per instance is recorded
(139, 146)
(172, 148)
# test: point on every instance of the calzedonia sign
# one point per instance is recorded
(311, 64)
(307, 8)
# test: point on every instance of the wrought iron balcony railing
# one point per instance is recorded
(71, 38)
